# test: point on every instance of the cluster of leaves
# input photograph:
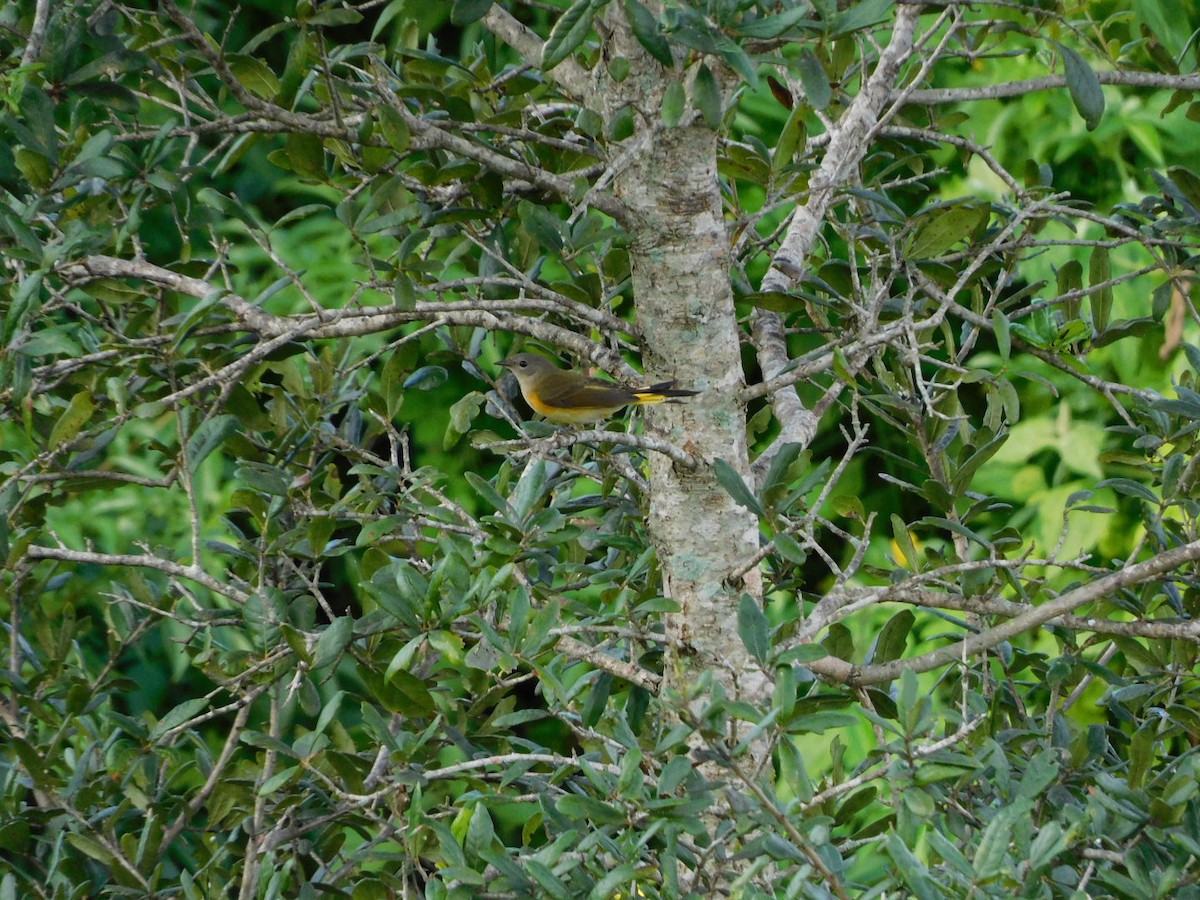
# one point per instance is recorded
(317, 658)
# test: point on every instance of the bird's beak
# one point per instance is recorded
(506, 364)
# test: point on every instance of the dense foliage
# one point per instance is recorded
(296, 603)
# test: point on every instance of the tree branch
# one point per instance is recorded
(846, 149)
(627, 671)
(569, 437)
(144, 561)
(1182, 630)
(568, 73)
(935, 96)
(426, 135)
(848, 673)
(343, 323)
(847, 146)
(37, 33)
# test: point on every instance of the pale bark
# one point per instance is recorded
(680, 260)
(685, 307)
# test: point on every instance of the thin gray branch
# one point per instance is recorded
(37, 33)
(570, 437)
(1155, 567)
(343, 323)
(568, 73)
(936, 96)
(846, 149)
(144, 561)
(627, 671)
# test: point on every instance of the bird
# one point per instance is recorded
(573, 398)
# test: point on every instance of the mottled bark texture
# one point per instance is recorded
(680, 263)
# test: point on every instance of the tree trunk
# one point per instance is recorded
(680, 266)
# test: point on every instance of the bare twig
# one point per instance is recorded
(37, 33)
(569, 437)
(145, 561)
(1155, 567)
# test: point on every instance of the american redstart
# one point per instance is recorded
(573, 398)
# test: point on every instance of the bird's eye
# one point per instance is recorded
(524, 364)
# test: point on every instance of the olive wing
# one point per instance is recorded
(582, 392)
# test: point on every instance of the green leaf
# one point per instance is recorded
(24, 299)
(334, 18)
(481, 832)
(278, 781)
(91, 847)
(395, 129)
(268, 479)
(1070, 280)
(34, 166)
(839, 641)
(673, 103)
(803, 654)
(1050, 841)
(706, 97)
(789, 548)
(1084, 87)
(910, 869)
(816, 83)
(775, 300)
(739, 60)
(550, 884)
(942, 228)
(753, 628)
(968, 467)
(464, 12)
(255, 74)
(462, 414)
(413, 696)
(781, 466)
(597, 700)
(769, 27)
(333, 641)
(992, 856)
(646, 29)
(1040, 772)
(1101, 300)
(71, 422)
(568, 33)
(1162, 19)
(622, 124)
(729, 479)
(904, 541)
(1187, 183)
(177, 716)
(608, 887)
(329, 711)
(581, 809)
(541, 225)
(208, 437)
(860, 15)
(1130, 488)
(303, 154)
(791, 138)
(427, 378)
(1000, 327)
(489, 493)
(1171, 471)
(893, 637)
(956, 527)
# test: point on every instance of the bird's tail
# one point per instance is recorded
(664, 391)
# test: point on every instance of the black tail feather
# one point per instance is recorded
(667, 389)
